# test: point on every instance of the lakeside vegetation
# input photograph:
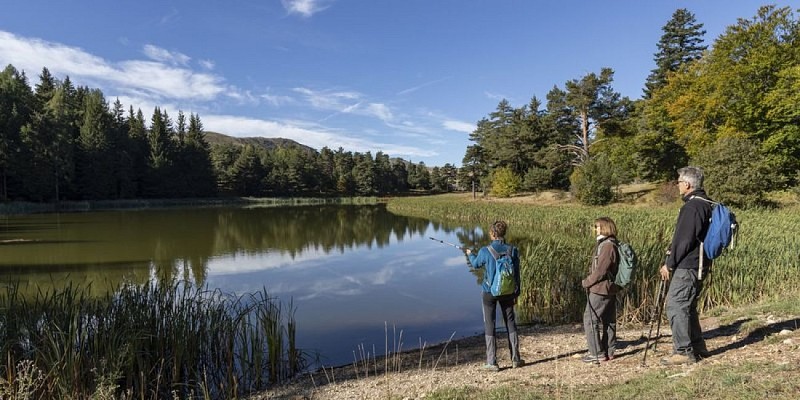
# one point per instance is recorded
(94, 205)
(556, 242)
(144, 341)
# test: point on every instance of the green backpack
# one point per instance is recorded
(503, 282)
(627, 263)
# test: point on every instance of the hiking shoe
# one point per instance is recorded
(590, 359)
(517, 363)
(607, 359)
(679, 359)
(490, 367)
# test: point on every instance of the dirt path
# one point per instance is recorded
(552, 356)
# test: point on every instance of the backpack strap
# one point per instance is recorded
(704, 199)
(494, 252)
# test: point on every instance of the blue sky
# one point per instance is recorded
(407, 77)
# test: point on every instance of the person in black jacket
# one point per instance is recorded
(683, 262)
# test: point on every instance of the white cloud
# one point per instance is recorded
(459, 126)
(304, 8)
(345, 102)
(309, 134)
(153, 78)
(277, 100)
(207, 64)
(162, 55)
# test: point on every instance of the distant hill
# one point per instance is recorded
(216, 138)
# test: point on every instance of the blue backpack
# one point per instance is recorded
(721, 231)
(503, 282)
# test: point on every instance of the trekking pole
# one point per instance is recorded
(657, 311)
(595, 330)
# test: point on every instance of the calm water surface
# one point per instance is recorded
(349, 271)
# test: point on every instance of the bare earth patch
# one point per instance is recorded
(553, 364)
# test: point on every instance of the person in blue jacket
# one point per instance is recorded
(484, 259)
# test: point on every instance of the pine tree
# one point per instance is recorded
(682, 42)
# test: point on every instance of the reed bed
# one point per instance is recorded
(151, 341)
(556, 243)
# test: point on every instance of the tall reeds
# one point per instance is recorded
(556, 244)
(146, 342)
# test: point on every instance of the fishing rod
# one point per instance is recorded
(469, 264)
(447, 243)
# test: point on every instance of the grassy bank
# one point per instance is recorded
(556, 242)
(73, 206)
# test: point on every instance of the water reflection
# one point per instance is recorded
(350, 271)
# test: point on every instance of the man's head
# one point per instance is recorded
(498, 229)
(689, 179)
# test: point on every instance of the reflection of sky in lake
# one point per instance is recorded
(347, 299)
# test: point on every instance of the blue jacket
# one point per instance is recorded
(485, 260)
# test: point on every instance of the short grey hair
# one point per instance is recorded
(692, 175)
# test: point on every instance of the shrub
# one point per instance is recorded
(592, 181)
(504, 182)
(736, 172)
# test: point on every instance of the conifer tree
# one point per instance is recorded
(682, 42)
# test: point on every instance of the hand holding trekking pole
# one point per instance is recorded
(664, 270)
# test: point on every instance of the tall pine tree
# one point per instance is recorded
(682, 42)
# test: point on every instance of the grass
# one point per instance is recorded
(556, 241)
(147, 341)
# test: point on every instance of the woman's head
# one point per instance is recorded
(498, 229)
(605, 226)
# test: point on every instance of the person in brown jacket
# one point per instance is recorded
(600, 316)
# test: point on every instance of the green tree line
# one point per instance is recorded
(62, 142)
(731, 108)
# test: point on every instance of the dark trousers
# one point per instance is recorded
(684, 290)
(489, 318)
(600, 325)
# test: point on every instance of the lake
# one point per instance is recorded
(349, 272)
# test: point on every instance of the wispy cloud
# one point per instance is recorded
(345, 102)
(496, 96)
(277, 100)
(158, 82)
(316, 136)
(162, 55)
(458, 126)
(158, 79)
(207, 64)
(304, 8)
(418, 87)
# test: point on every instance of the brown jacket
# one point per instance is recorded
(603, 268)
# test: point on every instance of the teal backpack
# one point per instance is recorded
(627, 263)
(503, 282)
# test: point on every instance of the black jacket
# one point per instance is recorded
(693, 221)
